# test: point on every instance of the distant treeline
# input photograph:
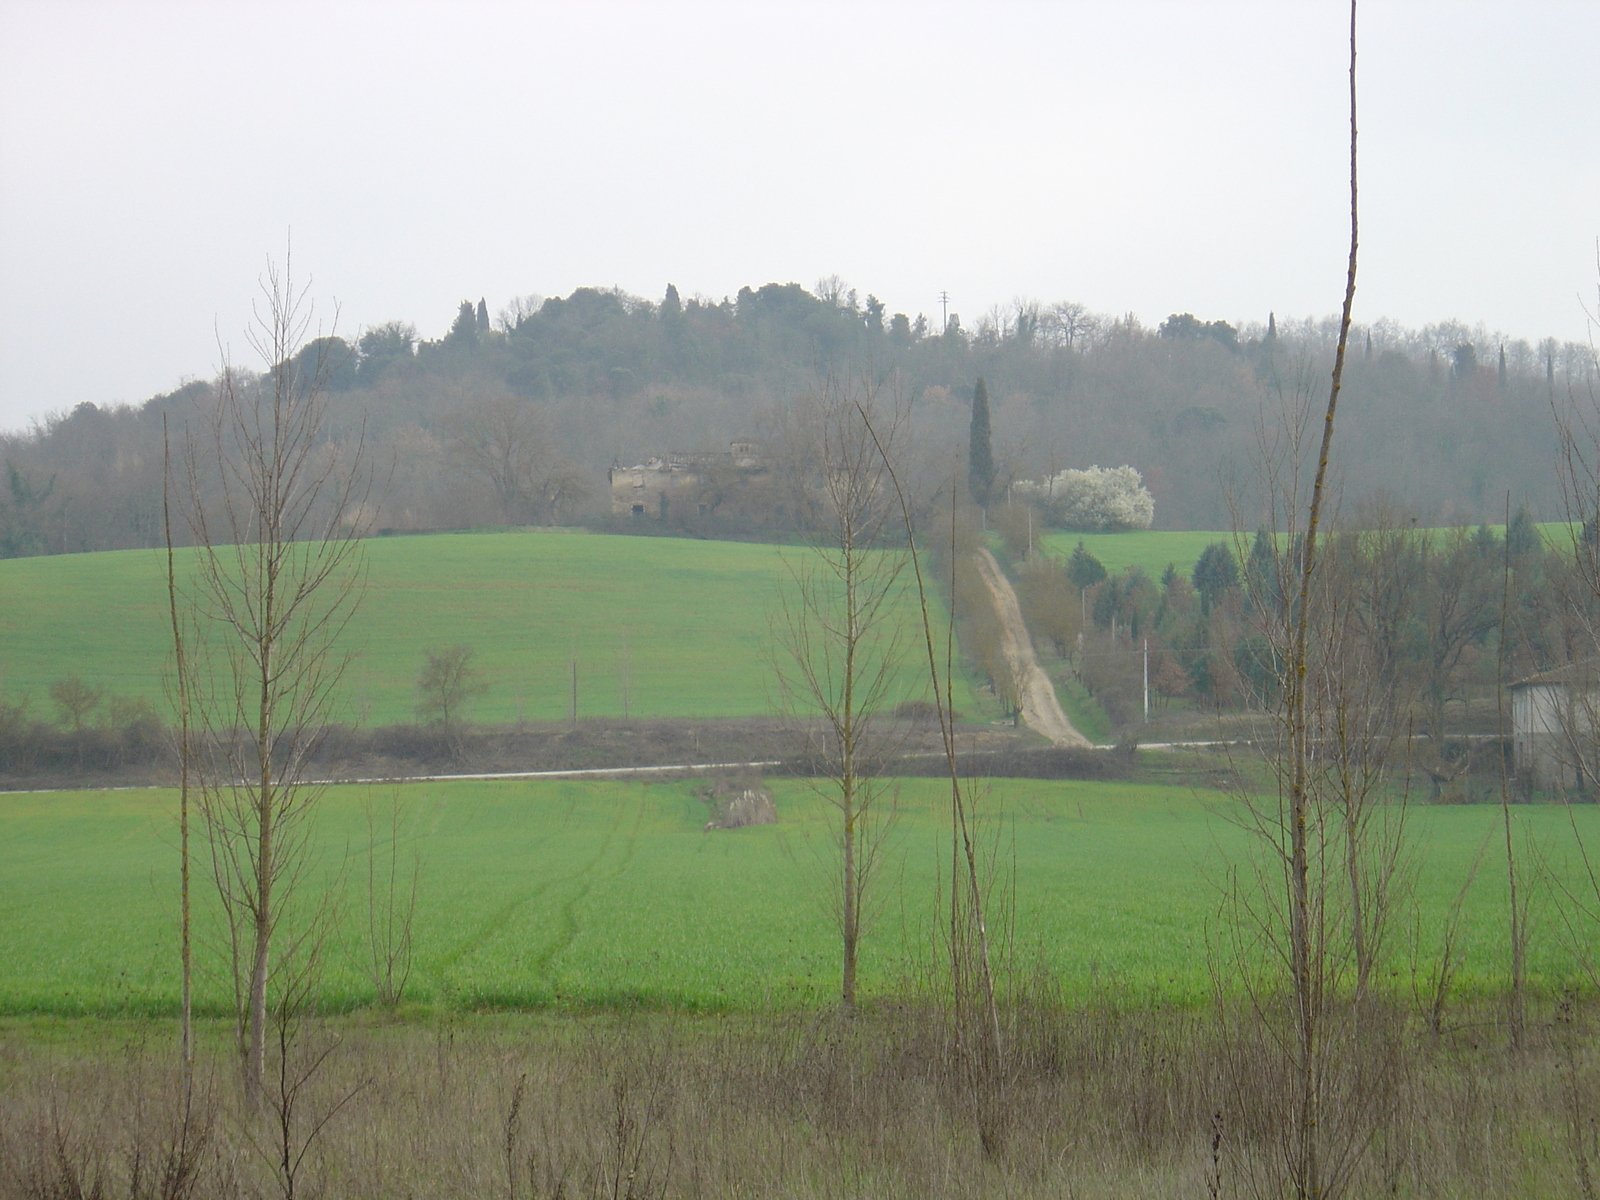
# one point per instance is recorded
(516, 419)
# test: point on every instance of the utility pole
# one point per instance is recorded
(1147, 680)
(572, 707)
(944, 311)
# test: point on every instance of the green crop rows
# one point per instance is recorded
(578, 894)
(684, 624)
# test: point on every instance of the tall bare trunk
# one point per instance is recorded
(967, 921)
(1516, 1004)
(1307, 991)
(265, 848)
(851, 920)
(181, 671)
(850, 917)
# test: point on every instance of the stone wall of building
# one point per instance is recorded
(686, 484)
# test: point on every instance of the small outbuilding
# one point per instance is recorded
(1555, 716)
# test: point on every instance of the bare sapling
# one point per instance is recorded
(1363, 734)
(1332, 854)
(1358, 868)
(180, 680)
(1306, 1165)
(301, 1096)
(971, 974)
(1432, 993)
(840, 636)
(275, 503)
(1516, 1003)
(391, 904)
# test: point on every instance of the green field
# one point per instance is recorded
(684, 622)
(1153, 549)
(1150, 549)
(576, 894)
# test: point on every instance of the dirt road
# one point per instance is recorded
(1041, 711)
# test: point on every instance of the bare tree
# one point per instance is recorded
(1389, 565)
(1460, 607)
(75, 700)
(839, 628)
(517, 310)
(1319, 903)
(560, 489)
(1067, 323)
(502, 441)
(446, 688)
(278, 574)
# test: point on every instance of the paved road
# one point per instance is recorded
(1041, 711)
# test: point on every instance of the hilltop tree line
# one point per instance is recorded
(515, 419)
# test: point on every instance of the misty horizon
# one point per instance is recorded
(1147, 157)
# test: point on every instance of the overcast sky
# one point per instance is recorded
(1143, 157)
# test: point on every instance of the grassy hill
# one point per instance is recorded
(1148, 548)
(684, 623)
(537, 893)
(1153, 549)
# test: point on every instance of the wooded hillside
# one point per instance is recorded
(516, 419)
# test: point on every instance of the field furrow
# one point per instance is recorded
(569, 928)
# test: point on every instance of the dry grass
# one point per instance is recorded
(1097, 1103)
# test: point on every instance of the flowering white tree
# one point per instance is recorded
(1099, 498)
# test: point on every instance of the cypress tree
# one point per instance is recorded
(1522, 535)
(1083, 568)
(874, 314)
(1261, 573)
(464, 329)
(1215, 574)
(980, 451)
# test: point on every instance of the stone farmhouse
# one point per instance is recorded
(681, 485)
